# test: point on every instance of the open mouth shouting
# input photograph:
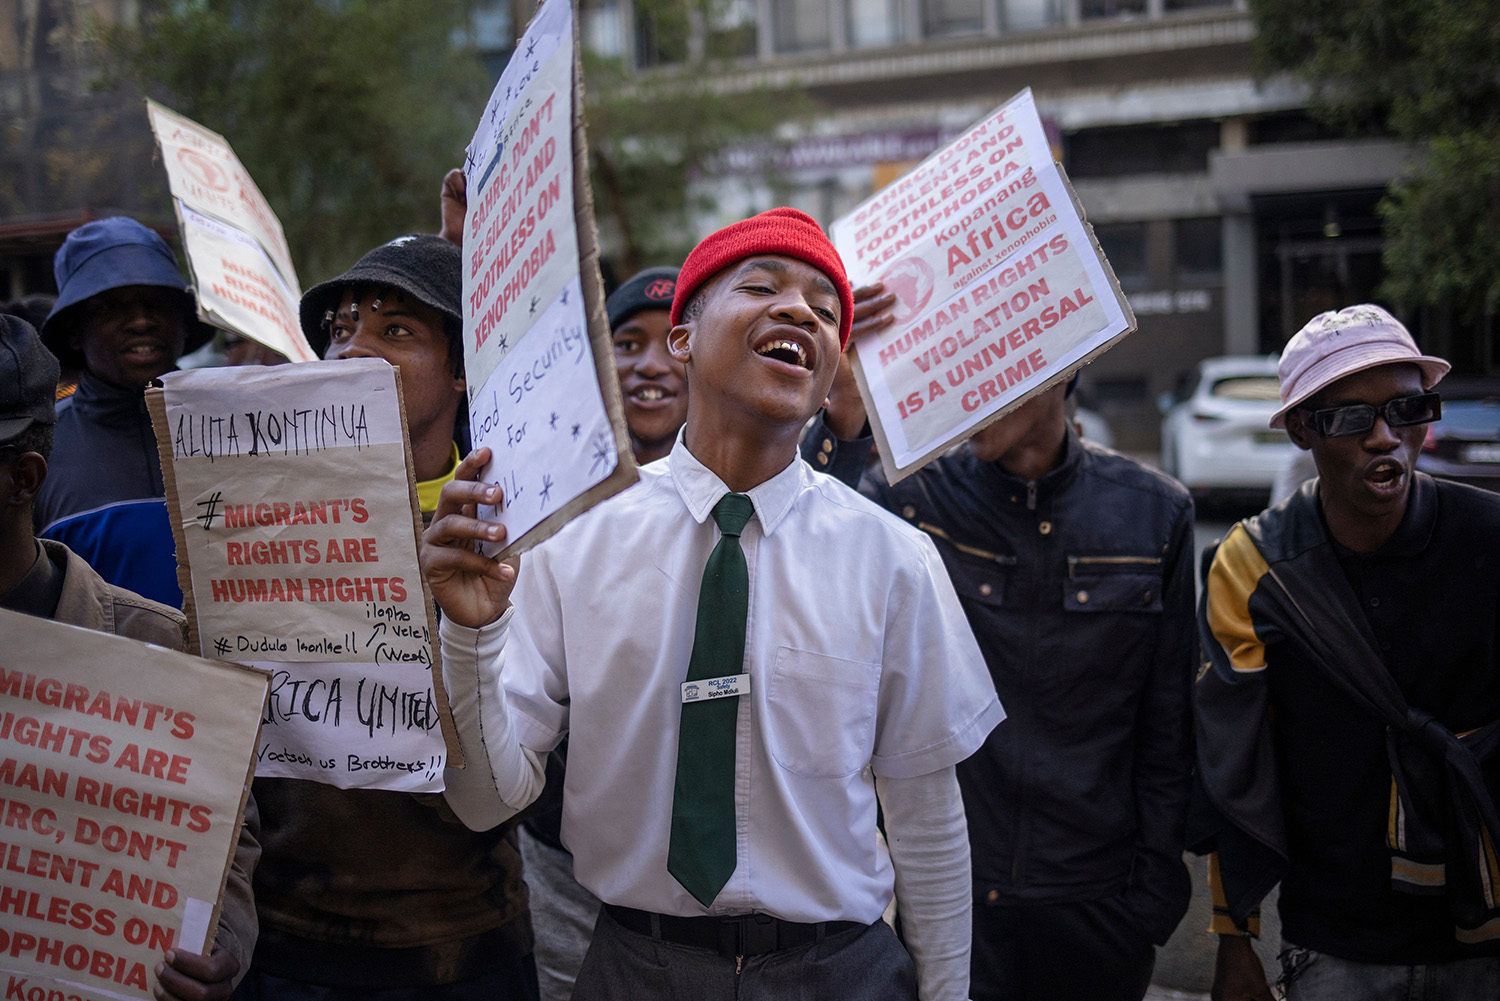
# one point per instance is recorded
(789, 351)
(1386, 477)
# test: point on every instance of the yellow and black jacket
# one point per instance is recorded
(1333, 688)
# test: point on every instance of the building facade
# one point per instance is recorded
(1229, 216)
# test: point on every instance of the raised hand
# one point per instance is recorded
(471, 589)
(455, 203)
(873, 311)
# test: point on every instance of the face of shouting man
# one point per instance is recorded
(1365, 475)
(762, 344)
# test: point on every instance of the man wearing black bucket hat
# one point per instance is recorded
(402, 302)
(123, 316)
(374, 894)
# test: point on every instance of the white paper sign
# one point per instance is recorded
(1001, 289)
(532, 364)
(237, 252)
(293, 498)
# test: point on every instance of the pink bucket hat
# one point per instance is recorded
(1341, 342)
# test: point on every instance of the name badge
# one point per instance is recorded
(706, 689)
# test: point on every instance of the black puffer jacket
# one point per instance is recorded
(1079, 588)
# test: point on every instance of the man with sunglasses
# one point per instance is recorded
(1349, 634)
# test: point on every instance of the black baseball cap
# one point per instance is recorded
(649, 289)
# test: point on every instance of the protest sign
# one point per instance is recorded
(1001, 289)
(123, 776)
(297, 528)
(543, 395)
(236, 251)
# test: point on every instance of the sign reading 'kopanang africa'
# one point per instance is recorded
(1002, 291)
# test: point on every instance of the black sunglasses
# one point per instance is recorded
(1357, 418)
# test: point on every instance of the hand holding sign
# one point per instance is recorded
(472, 589)
(1000, 289)
(874, 311)
(184, 976)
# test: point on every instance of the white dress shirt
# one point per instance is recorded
(860, 660)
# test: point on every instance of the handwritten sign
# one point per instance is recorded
(123, 771)
(543, 395)
(296, 529)
(1002, 291)
(236, 250)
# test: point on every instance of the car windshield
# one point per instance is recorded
(1471, 418)
(1253, 388)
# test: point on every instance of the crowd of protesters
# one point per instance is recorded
(970, 720)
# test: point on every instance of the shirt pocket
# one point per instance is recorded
(1113, 584)
(820, 713)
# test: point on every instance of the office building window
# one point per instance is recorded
(1173, 5)
(1124, 243)
(661, 36)
(941, 18)
(601, 27)
(1198, 251)
(1142, 149)
(1088, 9)
(801, 25)
(1030, 15)
(874, 23)
(732, 32)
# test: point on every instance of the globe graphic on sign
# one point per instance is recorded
(911, 279)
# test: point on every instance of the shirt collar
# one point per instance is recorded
(701, 488)
(38, 592)
(1411, 536)
(108, 403)
(1415, 531)
(1054, 479)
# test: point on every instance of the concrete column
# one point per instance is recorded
(1241, 285)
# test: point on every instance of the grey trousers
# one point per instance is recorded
(562, 915)
(863, 964)
(1316, 976)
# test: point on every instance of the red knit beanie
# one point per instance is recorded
(776, 231)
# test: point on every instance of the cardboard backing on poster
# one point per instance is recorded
(297, 527)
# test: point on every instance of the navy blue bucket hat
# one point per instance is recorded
(108, 254)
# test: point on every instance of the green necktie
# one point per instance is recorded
(701, 853)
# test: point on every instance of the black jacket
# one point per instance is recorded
(1334, 680)
(1079, 589)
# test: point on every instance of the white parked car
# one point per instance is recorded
(1216, 439)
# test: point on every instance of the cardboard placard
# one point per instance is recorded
(124, 769)
(297, 527)
(1002, 290)
(543, 394)
(236, 250)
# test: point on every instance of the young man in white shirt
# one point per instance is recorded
(857, 675)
